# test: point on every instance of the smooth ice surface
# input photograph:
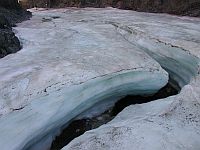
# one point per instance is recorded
(72, 59)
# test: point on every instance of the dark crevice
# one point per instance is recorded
(78, 127)
(166, 91)
(16, 109)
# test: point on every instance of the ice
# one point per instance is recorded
(67, 65)
(86, 57)
(172, 123)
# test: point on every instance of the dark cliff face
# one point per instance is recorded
(178, 7)
(9, 4)
(10, 13)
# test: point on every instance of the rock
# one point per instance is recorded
(9, 43)
(10, 4)
(10, 14)
(4, 23)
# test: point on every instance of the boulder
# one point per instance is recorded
(10, 14)
(9, 43)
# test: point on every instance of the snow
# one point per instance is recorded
(86, 57)
(172, 123)
(67, 65)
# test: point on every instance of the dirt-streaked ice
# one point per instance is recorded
(172, 123)
(72, 59)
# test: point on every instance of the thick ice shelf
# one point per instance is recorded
(48, 114)
(73, 59)
(66, 66)
(172, 123)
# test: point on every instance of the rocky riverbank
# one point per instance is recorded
(10, 14)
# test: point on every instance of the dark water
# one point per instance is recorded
(78, 127)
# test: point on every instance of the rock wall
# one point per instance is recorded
(10, 13)
(179, 7)
(10, 4)
(9, 43)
